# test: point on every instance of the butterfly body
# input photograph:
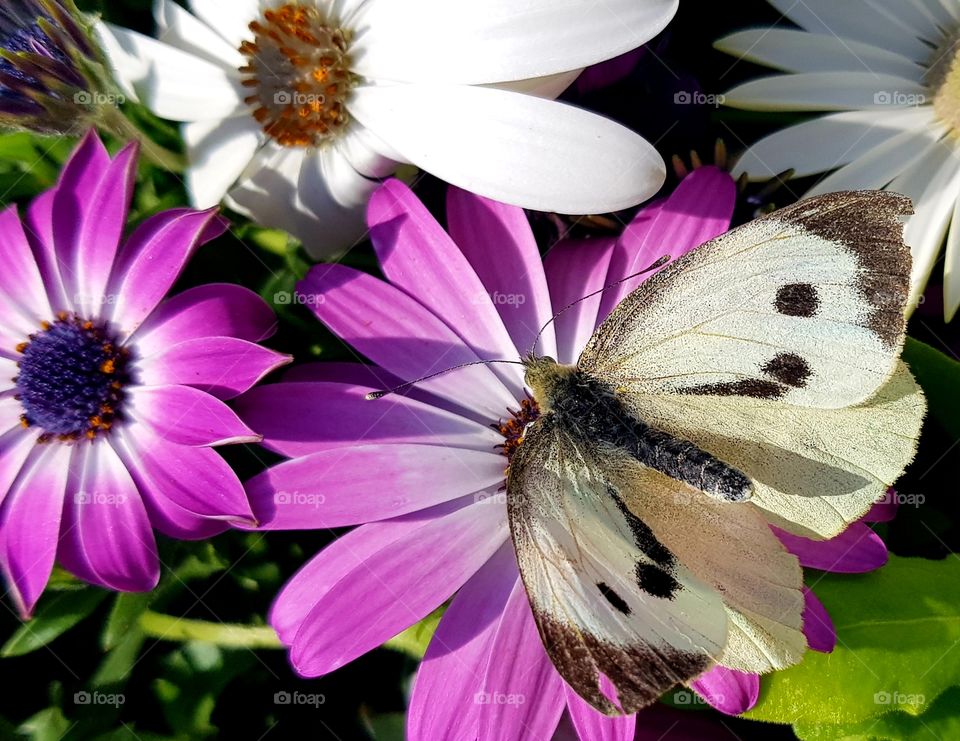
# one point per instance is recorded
(753, 382)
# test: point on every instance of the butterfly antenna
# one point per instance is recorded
(658, 264)
(374, 395)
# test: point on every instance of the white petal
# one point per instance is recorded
(513, 148)
(913, 14)
(219, 151)
(827, 91)
(945, 11)
(951, 266)
(172, 83)
(792, 50)
(854, 19)
(346, 186)
(177, 27)
(366, 153)
(498, 40)
(826, 143)
(550, 87)
(229, 18)
(883, 163)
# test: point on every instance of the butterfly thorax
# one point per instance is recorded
(592, 411)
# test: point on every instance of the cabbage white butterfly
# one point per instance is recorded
(755, 381)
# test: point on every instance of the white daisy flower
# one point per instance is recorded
(293, 109)
(888, 71)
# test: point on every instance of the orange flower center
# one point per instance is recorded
(298, 71)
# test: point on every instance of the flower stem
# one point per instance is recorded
(114, 121)
(228, 635)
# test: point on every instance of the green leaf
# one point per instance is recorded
(415, 639)
(54, 617)
(941, 721)
(897, 631)
(126, 611)
(47, 725)
(939, 375)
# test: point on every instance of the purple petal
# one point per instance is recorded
(347, 553)
(397, 333)
(443, 703)
(357, 374)
(222, 366)
(152, 260)
(884, 510)
(592, 724)
(609, 72)
(397, 586)
(499, 243)
(418, 256)
(523, 694)
(188, 491)
(298, 419)
(30, 524)
(22, 294)
(86, 262)
(185, 415)
(15, 445)
(817, 625)
(854, 551)
(213, 310)
(350, 486)
(576, 268)
(107, 539)
(730, 691)
(39, 230)
(698, 210)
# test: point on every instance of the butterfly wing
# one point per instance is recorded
(614, 595)
(805, 305)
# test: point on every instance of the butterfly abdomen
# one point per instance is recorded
(592, 410)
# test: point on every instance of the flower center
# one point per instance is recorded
(514, 427)
(299, 71)
(71, 379)
(943, 79)
(30, 39)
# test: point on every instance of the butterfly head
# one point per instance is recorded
(542, 376)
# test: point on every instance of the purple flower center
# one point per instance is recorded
(513, 428)
(71, 379)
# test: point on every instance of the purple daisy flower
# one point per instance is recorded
(423, 474)
(113, 396)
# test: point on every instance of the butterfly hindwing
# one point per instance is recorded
(805, 306)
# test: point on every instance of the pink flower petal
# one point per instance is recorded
(39, 230)
(418, 256)
(298, 419)
(397, 333)
(357, 374)
(884, 510)
(15, 445)
(730, 691)
(30, 524)
(576, 269)
(107, 539)
(697, 211)
(855, 551)
(523, 694)
(185, 415)
(188, 491)
(215, 310)
(305, 588)
(397, 586)
(450, 680)
(499, 243)
(222, 366)
(592, 724)
(350, 486)
(152, 260)
(817, 625)
(22, 295)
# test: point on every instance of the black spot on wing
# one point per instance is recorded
(655, 581)
(643, 536)
(755, 388)
(797, 299)
(616, 601)
(788, 368)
